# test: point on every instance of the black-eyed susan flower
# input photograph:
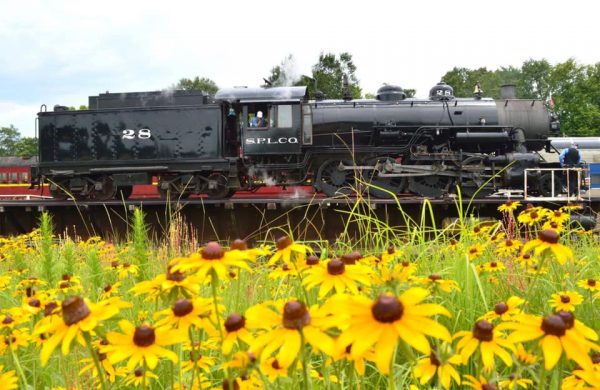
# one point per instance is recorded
(493, 266)
(591, 377)
(523, 356)
(391, 254)
(141, 344)
(285, 271)
(140, 377)
(509, 206)
(196, 360)
(497, 237)
(382, 322)
(565, 300)
(553, 225)
(478, 384)
(548, 240)
(475, 251)
(211, 257)
(436, 281)
(186, 313)
(489, 341)
(514, 381)
(558, 216)
(17, 338)
(336, 275)
(427, 368)
(589, 284)
(289, 251)
(557, 333)
(526, 260)
(505, 310)
(508, 247)
(402, 272)
(344, 352)
(453, 245)
(8, 379)
(235, 331)
(285, 326)
(78, 316)
(251, 253)
(111, 372)
(272, 369)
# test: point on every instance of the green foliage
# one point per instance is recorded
(46, 249)
(328, 75)
(9, 136)
(140, 243)
(203, 84)
(573, 87)
(26, 147)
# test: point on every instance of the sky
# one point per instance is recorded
(61, 52)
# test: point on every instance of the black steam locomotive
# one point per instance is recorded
(244, 138)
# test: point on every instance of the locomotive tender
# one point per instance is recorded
(195, 144)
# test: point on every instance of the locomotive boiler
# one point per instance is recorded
(245, 138)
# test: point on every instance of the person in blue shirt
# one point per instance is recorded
(569, 158)
(258, 120)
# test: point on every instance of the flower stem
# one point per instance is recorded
(305, 376)
(391, 375)
(88, 342)
(17, 363)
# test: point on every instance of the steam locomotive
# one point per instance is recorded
(197, 144)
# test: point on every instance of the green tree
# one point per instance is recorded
(203, 84)
(26, 146)
(328, 76)
(9, 136)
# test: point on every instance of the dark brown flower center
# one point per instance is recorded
(7, 320)
(483, 331)
(591, 282)
(335, 267)
(295, 315)
(234, 322)
(391, 250)
(107, 288)
(554, 325)
(66, 277)
(534, 215)
(488, 386)
(473, 251)
(565, 298)
(74, 310)
(212, 251)
(64, 285)
(49, 308)
(387, 309)
(557, 213)
(275, 364)
(509, 243)
(493, 264)
(568, 318)
(114, 263)
(434, 277)
(144, 336)
(526, 256)
(138, 372)
(239, 244)
(477, 229)
(284, 242)
(182, 307)
(550, 236)
(285, 267)
(405, 263)
(501, 308)
(34, 302)
(433, 359)
(227, 386)
(176, 276)
(453, 242)
(312, 260)
(351, 258)
(554, 225)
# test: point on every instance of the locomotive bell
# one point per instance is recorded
(390, 93)
(441, 91)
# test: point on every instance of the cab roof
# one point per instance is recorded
(244, 94)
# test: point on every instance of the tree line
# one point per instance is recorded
(571, 89)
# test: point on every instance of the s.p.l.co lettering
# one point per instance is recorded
(271, 141)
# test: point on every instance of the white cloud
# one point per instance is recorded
(61, 52)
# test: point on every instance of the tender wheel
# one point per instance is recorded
(58, 191)
(107, 191)
(335, 181)
(220, 189)
(124, 192)
(175, 190)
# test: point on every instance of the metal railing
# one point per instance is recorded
(561, 178)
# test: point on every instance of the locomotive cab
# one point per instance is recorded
(271, 119)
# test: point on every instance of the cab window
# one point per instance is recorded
(3, 177)
(260, 116)
(284, 116)
(24, 177)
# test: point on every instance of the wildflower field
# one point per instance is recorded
(506, 304)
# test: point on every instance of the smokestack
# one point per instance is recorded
(508, 91)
